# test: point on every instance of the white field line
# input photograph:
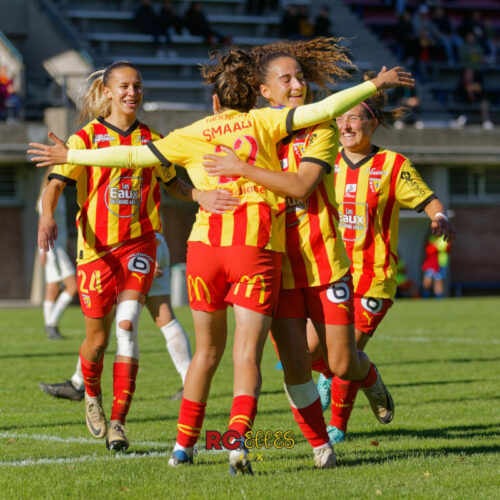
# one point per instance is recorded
(87, 458)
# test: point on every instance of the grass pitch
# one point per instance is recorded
(440, 360)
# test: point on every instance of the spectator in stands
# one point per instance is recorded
(10, 102)
(470, 91)
(471, 53)
(197, 23)
(261, 6)
(408, 45)
(148, 22)
(446, 35)
(306, 28)
(427, 36)
(168, 18)
(322, 25)
(290, 23)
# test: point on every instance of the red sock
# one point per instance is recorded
(92, 376)
(320, 366)
(370, 379)
(124, 375)
(312, 423)
(343, 397)
(243, 414)
(306, 408)
(191, 415)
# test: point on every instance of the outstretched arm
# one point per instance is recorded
(117, 156)
(340, 102)
(298, 185)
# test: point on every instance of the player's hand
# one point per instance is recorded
(45, 156)
(442, 227)
(218, 201)
(47, 233)
(227, 165)
(158, 271)
(395, 77)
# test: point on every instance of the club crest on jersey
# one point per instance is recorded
(102, 138)
(353, 217)
(86, 300)
(124, 191)
(295, 211)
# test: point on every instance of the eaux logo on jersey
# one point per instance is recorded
(124, 191)
(353, 215)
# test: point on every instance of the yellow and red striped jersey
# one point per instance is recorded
(315, 254)
(370, 194)
(116, 205)
(259, 219)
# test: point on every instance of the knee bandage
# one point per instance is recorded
(126, 341)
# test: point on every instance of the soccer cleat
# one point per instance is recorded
(178, 395)
(239, 462)
(335, 434)
(178, 458)
(324, 457)
(380, 400)
(94, 416)
(324, 387)
(65, 390)
(53, 333)
(116, 439)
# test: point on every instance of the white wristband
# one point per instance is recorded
(440, 214)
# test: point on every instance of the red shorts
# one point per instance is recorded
(330, 304)
(369, 312)
(243, 275)
(128, 267)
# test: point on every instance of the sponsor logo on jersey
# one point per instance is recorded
(284, 164)
(354, 216)
(295, 211)
(143, 139)
(124, 191)
(350, 190)
(337, 168)
(102, 138)
(414, 184)
(250, 283)
(196, 286)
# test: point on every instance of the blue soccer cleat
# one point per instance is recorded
(324, 387)
(335, 434)
(178, 458)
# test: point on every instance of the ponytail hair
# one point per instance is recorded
(94, 103)
(374, 106)
(232, 79)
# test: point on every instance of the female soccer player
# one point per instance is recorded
(117, 222)
(371, 185)
(233, 258)
(316, 281)
(58, 269)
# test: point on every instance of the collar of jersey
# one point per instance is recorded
(123, 133)
(360, 163)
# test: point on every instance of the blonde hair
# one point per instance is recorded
(94, 103)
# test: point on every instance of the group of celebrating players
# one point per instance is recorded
(299, 238)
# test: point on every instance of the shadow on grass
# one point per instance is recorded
(434, 361)
(438, 382)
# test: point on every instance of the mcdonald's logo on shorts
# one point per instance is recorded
(194, 285)
(250, 282)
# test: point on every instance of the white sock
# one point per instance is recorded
(187, 451)
(62, 302)
(177, 346)
(302, 395)
(77, 378)
(47, 309)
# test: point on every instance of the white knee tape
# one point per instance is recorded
(302, 395)
(126, 341)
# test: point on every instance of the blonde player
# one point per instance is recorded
(234, 258)
(117, 222)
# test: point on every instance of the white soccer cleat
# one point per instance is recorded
(239, 462)
(324, 457)
(94, 416)
(380, 400)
